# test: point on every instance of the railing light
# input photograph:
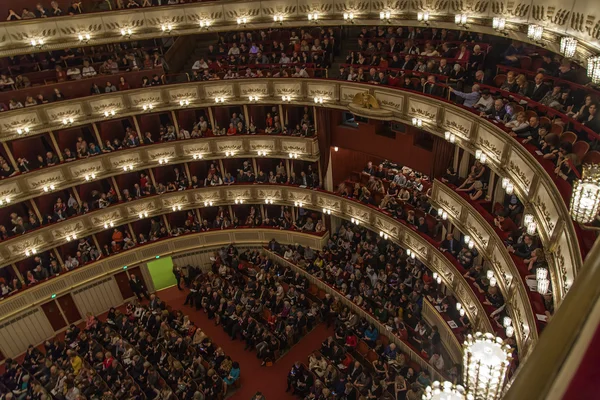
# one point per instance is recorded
(568, 46)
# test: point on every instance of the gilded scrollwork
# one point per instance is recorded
(543, 209)
(516, 169)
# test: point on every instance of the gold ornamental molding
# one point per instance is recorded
(30, 185)
(574, 18)
(505, 156)
(128, 212)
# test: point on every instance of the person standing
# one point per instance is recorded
(178, 275)
(137, 286)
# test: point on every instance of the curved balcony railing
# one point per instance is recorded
(510, 278)
(106, 267)
(372, 218)
(506, 156)
(67, 174)
(146, 23)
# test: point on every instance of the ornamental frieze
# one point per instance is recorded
(161, 153)
(107, 104)
(50, 178)
(69, 229)
(125, 160)
(111, 216)
(183, 93)
(87, 168)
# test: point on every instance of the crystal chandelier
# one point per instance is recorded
(568, 46)
(446, 391)
(593, 69)
(499, 24)
(585, 200)
(485, 361)
(543, 283)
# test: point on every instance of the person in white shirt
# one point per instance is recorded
(234, 50)
(437, 361)
(74, 73)
(485, 102)
(200, 64)
(88, 71)
(300, 73)
(284, 59)
(183, 133)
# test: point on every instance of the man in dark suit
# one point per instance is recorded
(137, 286)
(156, 303)
(431, 88)
(409, 62)
(394, 47)
(450, 245)
(539, 89)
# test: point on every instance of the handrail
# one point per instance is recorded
(146, 23)
(556, 358)
(316, 200)
(127, 260)
(67, 174)
(469, 221)
(506, 156)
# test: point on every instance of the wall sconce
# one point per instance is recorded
(585, 200)
(287, 98)
(205, 24)
(49, 188)
(442, 214)
(68, 121)
(471, 244)
(21, 131)
(410, 253)
(197, 156)
(268, 201)
(298, 204)
(467, 239)
(110, 224)
(30, 252)
(293, 155)
(5, 200)
(318, 100)
(460, 309)
(423, 17)
(208, 203)
(450, 137)
(313, 17)
(385, 16)
(278, 18)
(148, 107)
(71, 237)
(84, 37)
(480, 156)
(568, 46)
(355, 221)
(543, 283)
(510, 188)
(239, 201)
(383, 235)
(90, 177)
(418, 122)
(229, 153)
(535, 33)
(349, 17)
(128, 167)
(253, 98)
(527, 219)
(37, 43)
(126, 32)
(242, 21)
(167, 28)
(491, 277)
(326, 211)
(262, 153)
(461, 20)
(335, 148)
(505, 182)
(219, 99)
(109, 113)
(163, 160)
(177, 207)
(531, 228)
(593, 69)
(143, 214)
(499, 25)
(184, 103)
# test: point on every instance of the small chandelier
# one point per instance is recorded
(585, 200)
(313, 16)
(568, 46)
(349, 17)
(461, 20)
(385, 16)
(423, 17)
(499, 24)
(418, 122)
(535, 32)
(445, 391)
(486, 362)
(593, 69)
(450, 137)
(543, 283)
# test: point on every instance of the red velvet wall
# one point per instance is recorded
(374, 147)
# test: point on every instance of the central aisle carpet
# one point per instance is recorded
(271, 381)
